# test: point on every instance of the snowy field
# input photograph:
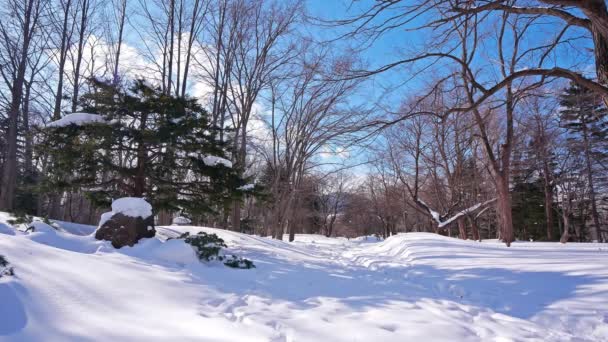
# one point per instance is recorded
(410, 287)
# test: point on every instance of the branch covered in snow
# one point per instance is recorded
(442, 221)
(78, 119)
(214, 161)
(246, 187)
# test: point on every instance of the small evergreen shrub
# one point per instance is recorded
(238, 262)
(208, 247)
(21, 218)
(5, 269)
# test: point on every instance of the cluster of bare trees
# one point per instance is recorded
(488, 60)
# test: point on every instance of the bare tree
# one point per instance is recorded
(21, 23)
(333, 190)
(64, 26)
(308, 113)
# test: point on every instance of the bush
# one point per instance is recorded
(238, 262)
(5, 269)
(208, 247)
(21, 218)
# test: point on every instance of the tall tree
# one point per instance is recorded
(20, 26)
(585, 116)
(141, 123)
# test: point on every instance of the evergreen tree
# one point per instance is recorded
(151, 145)
(585, 116)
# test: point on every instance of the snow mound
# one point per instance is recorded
(408, 287)
(215, 161)
(78, 119)
(181, 221)
(177, 251)
(42, 227)
(75, 228)
(6, 229)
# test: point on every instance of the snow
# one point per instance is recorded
(129, 206)
(78, 119)
(246, 187)
(180, 220)
(409, 287)
(463, 212)
(215, 161)
(105, 217)
(433, 213)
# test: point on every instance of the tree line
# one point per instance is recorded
(503, 137)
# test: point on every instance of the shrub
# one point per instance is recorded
(5, 269)
(238, 262)
(21, 218)
(208, 247)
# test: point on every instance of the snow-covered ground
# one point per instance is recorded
(410, 287)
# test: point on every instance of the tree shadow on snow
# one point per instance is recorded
(521, 294)
(12, 312)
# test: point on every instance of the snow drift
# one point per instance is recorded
(409, 287)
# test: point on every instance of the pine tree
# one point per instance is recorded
(585, 116)
(152, 145)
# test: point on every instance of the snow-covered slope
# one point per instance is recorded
(407, 288)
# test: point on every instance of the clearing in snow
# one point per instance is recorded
(416, 286)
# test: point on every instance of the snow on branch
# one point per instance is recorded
(246, 187)
(442, 222)
(214, 161)
(78, 119)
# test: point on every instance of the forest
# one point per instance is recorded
(493, 127)
(303, 170)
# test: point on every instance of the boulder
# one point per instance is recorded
(124, 230)
(129, 221)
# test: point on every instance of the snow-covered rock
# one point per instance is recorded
(129, 221)
(78, 119)
(215, 161)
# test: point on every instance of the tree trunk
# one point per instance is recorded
(566, 234)
(28, 156)
(121, 26)
(474, 229)
(548, 189)
(503, 204)
(63, 54)
(81, 40)
(462, 228)
(597, 12)
(236, 215)
(589, 166)
(9, 170)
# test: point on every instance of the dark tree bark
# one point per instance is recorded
(84, 21)
(30, 22)
(66, 34)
